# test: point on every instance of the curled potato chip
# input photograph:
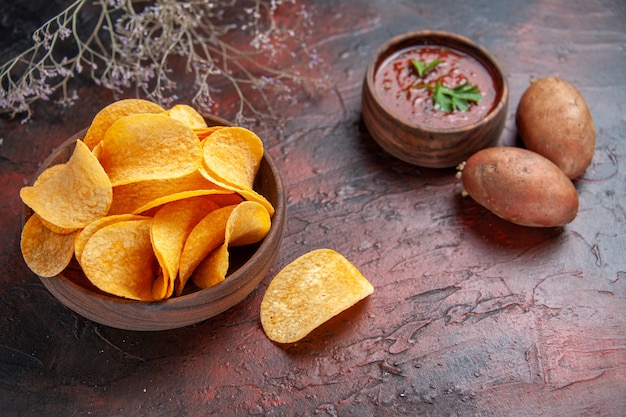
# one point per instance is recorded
(246, 193)
(188, 115)
(46, 253)
(213, 269)
(171, 226)
(112, 113)
(74, 195)
(148, 146)
(233, 155)
(140, 196)
(247, 224)
(119, 260)
(84, 234)
(56, 229)
(206, 236)
(204, 132)
(308, 292)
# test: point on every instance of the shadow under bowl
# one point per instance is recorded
(249, 265)
(419, 144)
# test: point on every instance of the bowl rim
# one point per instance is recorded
(208, 302)
(410, 39)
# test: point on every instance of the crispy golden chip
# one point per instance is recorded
(233, 155)
(246, 193)
(147, 146)
(112, 113)
(308, 292)
(140, 196)
(48, 173)
(206, 236)
(171, 226)
(56, 229)
(188, 115)
(213, 269)
(204, 132)
(72, 196)
(161, 288)
(119, 259)
(248, 223)
(84, 234)
(46, 253)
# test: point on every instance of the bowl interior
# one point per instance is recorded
(248, 266)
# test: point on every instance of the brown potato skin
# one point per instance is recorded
(521, 187)
(554, 120)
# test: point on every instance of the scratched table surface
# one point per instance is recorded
(471, 315)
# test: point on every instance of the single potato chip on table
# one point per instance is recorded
(308, 292)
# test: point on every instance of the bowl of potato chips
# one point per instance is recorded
(153, 218)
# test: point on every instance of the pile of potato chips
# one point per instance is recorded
(150, 199)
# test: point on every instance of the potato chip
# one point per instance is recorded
(213, 269)
(72, 196)
(144, 147)
(140, 196)
(119, 260)
(46, 253)
(56, 229)
(246, 193)
(48, 173)
(308, 292)
(233, 155)
(188, 115)
(204, 132)
(84, 234)
(206, 236)
(171, 226)
(248, 223)
(162, 286)
(112, 113)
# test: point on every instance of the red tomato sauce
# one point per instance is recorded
(396, 84)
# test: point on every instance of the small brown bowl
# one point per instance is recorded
(249, 265)
(420, 144)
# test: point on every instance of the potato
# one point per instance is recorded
(554, 120)
(520, 186)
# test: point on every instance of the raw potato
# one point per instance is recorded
(554, 120)
(520, 186)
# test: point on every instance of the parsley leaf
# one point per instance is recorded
(457, 98)
(422, 68)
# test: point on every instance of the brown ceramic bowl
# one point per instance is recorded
(420, 144)
(248, 267)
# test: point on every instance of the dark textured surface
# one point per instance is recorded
(471, 315)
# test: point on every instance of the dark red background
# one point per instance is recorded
(471, 315)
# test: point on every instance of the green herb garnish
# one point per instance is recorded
(457, 98)
(446, 99)
(423, 68)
